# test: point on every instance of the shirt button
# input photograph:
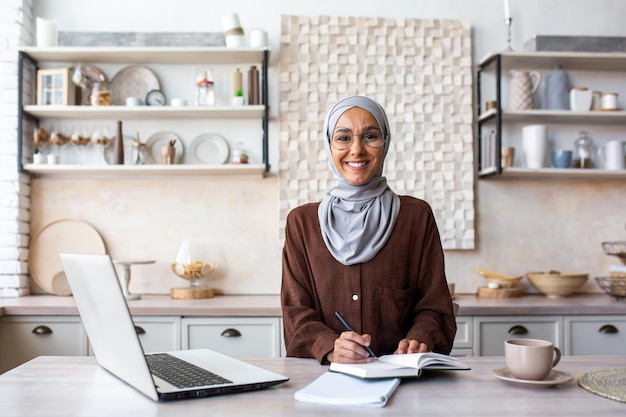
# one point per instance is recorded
(355, 297)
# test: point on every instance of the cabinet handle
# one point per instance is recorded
(42, 330)
(518, 330)
(608, 329)
(231, 333)
(139, 330)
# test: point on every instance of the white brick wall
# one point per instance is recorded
(16, 23)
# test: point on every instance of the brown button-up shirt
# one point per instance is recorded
(400, 293)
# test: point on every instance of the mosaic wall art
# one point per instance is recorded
(420, 71)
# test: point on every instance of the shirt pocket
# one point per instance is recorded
(395, 312)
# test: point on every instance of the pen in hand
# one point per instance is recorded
(348, 327)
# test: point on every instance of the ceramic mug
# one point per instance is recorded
(530, 359)
(613, 155)
(508, 156)
(534, 141)
(562, 158)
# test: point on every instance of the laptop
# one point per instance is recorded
(116, 346)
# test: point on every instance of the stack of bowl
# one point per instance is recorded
(554, 284)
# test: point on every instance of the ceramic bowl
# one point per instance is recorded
(554, 284)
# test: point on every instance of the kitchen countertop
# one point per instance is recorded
(269, 306)
(77, 386)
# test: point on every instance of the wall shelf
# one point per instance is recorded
(146, 170)
(493, 120)
(145, 112)
(176, 56)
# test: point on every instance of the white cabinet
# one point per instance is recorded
(500, 126)
(464, 338)
(156, 333)
(26, 337)
(595, 335)
(249, 337)
(168, 59)
(491, 332)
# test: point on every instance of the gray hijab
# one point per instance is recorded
(357, 220)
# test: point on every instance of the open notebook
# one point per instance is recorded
(391, 366)
(165, 375)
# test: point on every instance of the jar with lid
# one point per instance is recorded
(240, 155)
(583, 151)
(205, 96)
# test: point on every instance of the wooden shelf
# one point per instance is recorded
(145, 112)
(147, 170)
(587, 61)
(143, 55)
(558, 116)
(568, 173)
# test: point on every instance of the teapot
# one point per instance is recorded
(523, 87)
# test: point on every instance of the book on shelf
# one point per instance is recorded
(340, 389)
(401, 366)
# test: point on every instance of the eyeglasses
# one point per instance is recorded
(343, 139)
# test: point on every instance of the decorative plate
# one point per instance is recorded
(130, 156)
(132, 81)
(607, 383)
(209, 148)
(67, 235)
(154, 143)
(555, 378)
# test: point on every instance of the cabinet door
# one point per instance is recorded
(595, 335)
(491, 332)
(239, 337)
(26, 337)
(464, 338)
(156, 334)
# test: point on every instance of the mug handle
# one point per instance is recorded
(557, 356)
(537, 77)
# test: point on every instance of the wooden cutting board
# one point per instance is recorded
(486, 292)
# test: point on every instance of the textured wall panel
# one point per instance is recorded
(420, 71)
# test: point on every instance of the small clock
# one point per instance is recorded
(155, 98)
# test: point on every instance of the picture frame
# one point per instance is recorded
(55, 87)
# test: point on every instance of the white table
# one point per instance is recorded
(76, 386)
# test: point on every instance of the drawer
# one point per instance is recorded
(596, 335)
(239, 337)
(491, 332)
(156, 334)
(26, 337)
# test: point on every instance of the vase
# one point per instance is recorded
(557, 90)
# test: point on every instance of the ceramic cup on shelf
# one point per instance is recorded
(530, 359)
(613, 154)
(508, 156)
(561, 158)
(608, 101)
(534, 141)
(580, 99)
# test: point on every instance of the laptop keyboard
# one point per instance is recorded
(180, 373)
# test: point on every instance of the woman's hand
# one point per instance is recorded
(349, 348)
(410, 346)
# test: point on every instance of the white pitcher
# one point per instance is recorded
(613, 155)
(523, 87)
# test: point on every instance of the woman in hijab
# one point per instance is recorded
(365, 252)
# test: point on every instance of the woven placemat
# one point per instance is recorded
(609, 383)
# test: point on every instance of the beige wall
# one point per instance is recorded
(522, 225)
